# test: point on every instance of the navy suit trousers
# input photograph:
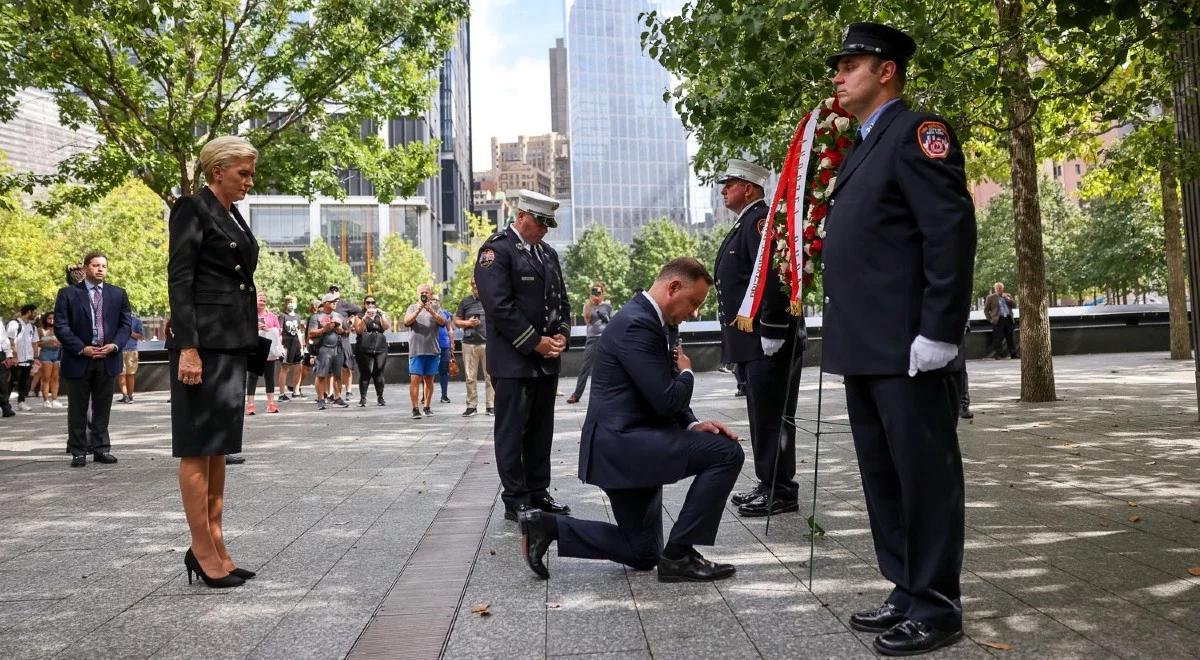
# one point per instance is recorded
(636, 540)
(907, 445)
(89, 434)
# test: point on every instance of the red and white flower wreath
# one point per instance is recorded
(806, 182)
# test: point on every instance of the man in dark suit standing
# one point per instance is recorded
(528, 321)
(764, 355)
(998, 308)
(92, 321)
(899, 255)
(639, 434)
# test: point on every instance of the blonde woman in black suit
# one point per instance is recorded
(210, 283)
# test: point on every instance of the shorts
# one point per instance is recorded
(129, 363)
(423, 365)
(51, 354)
(329, 361)
(291, 352)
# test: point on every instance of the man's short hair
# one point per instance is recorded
(688, 269)
(87, 258)
(901, 69)
(27, 307)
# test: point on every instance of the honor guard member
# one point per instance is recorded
(762, 355)
(528, 321)
(899, 253)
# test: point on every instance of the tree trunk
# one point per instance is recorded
(1181, 342)
(1037, 366)
(1187, 131)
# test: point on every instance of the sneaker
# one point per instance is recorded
(8, 412)
(124, 398)
(428, 412)
(249, 408)
(299, 394)
(380, 402)
(416, 413)
(25, 407)
(469, 412)
(46, 404)
(491, 411)
(445, 399)
(362, 402)
(320, 404)
(56, 404)
(284, 397)
(130, 400)
(341, 403)
(272, 408)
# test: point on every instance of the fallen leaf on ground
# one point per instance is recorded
(999, 646)
(553, 606)
(1077, 466)
(1071, 445)
(482, 609)
(491, 552)
(1195, 570)
(1131, 503)
(1135, 519)
(1152, 463)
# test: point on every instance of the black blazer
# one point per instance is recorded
(524, 299)
(899, 246)
(210, 276)
(732, 270)
(73, 326)
(635, 432)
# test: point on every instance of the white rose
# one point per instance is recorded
(821, 232)
(842, 123)
(828, 103)
(781, 245)
(832, 183)
(827, 122)
(808, 266)
(825, 164)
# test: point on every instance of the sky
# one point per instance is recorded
(510, 70)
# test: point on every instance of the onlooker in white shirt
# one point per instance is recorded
(23, 337)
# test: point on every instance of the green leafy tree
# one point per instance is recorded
(459, 284)
(596, 255)
(400, 270)
(655, 244)
(129, 225)
(276, 276)
(30, 267)
(159, 79)
(319, 268)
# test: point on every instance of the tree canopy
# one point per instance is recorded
(596, 255)
(655, 244)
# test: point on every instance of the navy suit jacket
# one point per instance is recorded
(899, 246)
(635, 433)
(73, 326)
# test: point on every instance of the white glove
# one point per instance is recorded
(771, 346)
(927, 355)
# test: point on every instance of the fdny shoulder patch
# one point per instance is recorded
(934, 139)
(487, 257)
(761, 225)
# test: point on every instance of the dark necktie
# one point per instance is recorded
(98, 313)
(858, 137)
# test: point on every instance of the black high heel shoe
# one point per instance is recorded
(193, 566)
(243, 573)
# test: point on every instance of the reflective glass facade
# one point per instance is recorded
(629, 161)
(281, 225)
(353, 233)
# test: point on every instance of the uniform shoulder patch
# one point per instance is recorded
(934, 139)
(760, 225)
(487, 257)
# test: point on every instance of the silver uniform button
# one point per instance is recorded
(233, 245)
(251, 288)
(237, 267)
(826, 300)
(242, 287)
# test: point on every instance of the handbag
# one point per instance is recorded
(453, 369)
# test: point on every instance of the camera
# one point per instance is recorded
(424, 297)
(595, 291)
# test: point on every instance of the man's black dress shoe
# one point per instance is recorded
(230, 459)
(763, 506)
(547, 504)
(914, 638)
(534, 542)
(79, 461)
(692, 568)
(513, 513)
(881, 619)
(745, 496)
(104, 457)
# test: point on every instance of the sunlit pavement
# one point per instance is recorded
(1083, 520)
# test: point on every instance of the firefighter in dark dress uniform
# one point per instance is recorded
(898, 258)
(765, 355)
(528, 322)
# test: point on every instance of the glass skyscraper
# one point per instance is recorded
(629, 162)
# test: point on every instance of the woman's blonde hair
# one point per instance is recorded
(223, 152)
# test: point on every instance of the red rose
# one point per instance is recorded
(835, 158)
(825, 176)
(810, 232)
(808, 278)
(843, 142)
(818, 212)
(816, 245)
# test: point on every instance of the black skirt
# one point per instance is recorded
(206, 419)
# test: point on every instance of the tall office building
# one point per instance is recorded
(356, 226)
(559, 112)
(629, 162)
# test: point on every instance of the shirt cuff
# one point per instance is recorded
(689, 426)
(688, 371)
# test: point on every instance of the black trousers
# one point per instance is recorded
(19, 378)
(523, 434)
(1003, 332)
(94, 388)
(370, 370)
(908, 456)
(5, 406)
(636, 539)
(590, 347)
(268, 378)
(768, 398)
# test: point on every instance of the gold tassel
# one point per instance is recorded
(745, 324)
(796, 308)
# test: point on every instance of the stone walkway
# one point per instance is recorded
(1083, 521)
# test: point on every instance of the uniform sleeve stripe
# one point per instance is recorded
(524, 335)
(773, 325)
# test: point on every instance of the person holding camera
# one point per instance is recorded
(372, 350)
(597, 312)
(326, 328)
(469, 317)
(423, 320)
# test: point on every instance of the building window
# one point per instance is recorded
(406, 221)
(353, 233)
(282, 226)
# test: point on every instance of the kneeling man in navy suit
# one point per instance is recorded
(639, 434)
